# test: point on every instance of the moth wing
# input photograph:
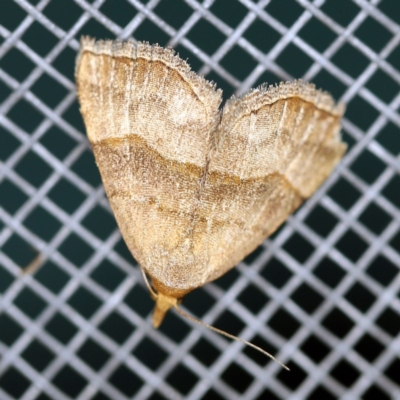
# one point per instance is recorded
(149, 120)
(276, 146)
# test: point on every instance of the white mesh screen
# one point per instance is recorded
(323, 294)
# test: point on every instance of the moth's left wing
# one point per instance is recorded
(275, 147)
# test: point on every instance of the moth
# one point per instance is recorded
(195, 188)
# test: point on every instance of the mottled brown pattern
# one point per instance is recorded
(151, 194)
(195, 189)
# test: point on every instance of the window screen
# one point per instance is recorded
(322, 294)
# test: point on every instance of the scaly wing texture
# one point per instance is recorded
(193, 195)
(150, 121)
(276, 146)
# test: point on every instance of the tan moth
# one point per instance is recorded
(194, 188)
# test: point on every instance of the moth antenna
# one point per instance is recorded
(223, 333)
(34, 265)
(151, 290)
